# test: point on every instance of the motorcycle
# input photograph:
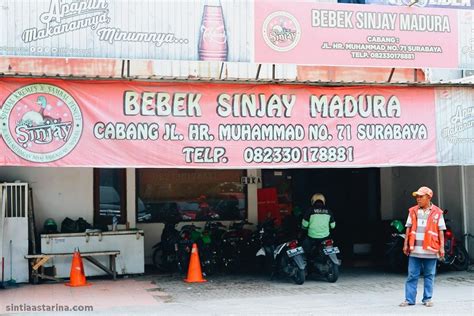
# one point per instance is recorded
(456, 255)
(188, 235)
(209, 244)
(323, 260)
(165, 252)
(286, 258)
(236, 246)
(395, 258)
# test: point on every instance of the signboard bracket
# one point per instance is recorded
(258, 71)
(222, 70)
(126, 63)
(391, 75)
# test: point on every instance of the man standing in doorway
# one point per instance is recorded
(424, 244)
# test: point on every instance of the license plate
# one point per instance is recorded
(294, 252)
(331, 250)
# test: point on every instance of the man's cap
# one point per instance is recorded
(423, 191)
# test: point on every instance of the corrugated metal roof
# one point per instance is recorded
(252, 81)
(198, 71)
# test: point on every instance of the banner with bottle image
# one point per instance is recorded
(303, 32)
(167, 30)
(202, 125)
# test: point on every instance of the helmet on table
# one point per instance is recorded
(50, 226)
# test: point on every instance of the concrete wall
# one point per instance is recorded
(387, 210)
(451, 197)
(397, 184)
(468, 202)
(57, 192)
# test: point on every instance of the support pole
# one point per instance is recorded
(391, 75)
(222, 70)
(123, 68)
(259, 67)
(438, 184)
(465, 217)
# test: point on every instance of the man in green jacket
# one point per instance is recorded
(318, 220)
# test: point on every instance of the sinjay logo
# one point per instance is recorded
(41, 122)
(281, 31)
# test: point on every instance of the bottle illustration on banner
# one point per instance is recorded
(213, 38)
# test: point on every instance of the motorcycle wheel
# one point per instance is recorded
(162, 262)
(209, 267)
(183, 261)
(333, 273)
(299, 276)
(461, 263)
(157, 258)
(231, 265)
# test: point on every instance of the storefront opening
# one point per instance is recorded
(109, 196)
(190, 195)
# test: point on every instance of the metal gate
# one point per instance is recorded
(14, 231)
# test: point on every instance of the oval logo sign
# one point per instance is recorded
(41, 122)
(281, 31)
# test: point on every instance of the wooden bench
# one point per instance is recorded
(37, 265)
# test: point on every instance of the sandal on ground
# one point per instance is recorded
(428, 303)
(404, 304)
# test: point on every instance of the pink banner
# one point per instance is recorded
(304, 32)
(140, 124)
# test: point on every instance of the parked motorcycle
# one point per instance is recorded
(456, 256)
(174, 252)
(209, 244)
(323, 260)
(285, 258)
(188, 235)
(236, 246)
(165, 253)
(396, 260)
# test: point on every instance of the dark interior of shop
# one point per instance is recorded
(353, 195)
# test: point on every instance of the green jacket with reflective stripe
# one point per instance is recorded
(318, 222)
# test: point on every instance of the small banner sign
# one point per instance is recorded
(300, 32)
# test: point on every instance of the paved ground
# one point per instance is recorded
(357, 292)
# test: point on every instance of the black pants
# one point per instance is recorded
(309, 243)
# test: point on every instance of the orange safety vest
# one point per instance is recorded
(431, 239)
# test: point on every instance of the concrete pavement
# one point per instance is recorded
(357, 292)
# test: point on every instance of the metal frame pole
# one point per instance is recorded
(465, 218)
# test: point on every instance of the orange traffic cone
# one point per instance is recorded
(77, 277)
(194, 270)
